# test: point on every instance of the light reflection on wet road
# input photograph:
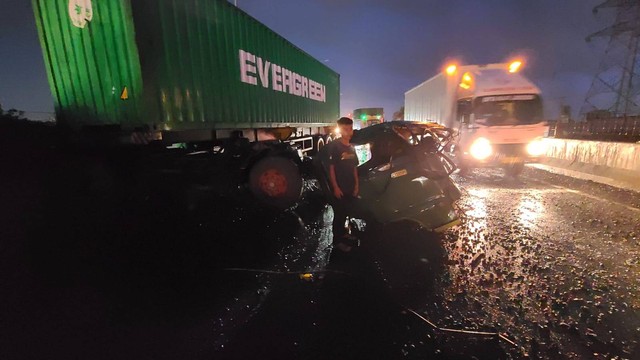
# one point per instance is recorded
(553, 265)
(551, 261)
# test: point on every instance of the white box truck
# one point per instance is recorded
(496, 110)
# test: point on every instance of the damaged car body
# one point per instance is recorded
(404, 175)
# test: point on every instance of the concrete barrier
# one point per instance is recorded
(617, 161)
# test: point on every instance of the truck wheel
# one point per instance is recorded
(514, 170)
(276, 181)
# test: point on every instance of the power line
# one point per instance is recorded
(615, 89)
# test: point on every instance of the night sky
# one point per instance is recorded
(381, 48)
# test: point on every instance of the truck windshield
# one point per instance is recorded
(508, 110)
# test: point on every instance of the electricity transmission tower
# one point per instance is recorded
(615, 89)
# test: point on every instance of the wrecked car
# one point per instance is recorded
(403, 173)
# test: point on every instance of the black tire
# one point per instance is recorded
(514, 170)
(276, 182)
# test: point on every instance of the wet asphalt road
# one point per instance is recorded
(93, 267)
(552, 262)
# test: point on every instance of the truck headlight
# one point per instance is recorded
(481, 149)
(537, 147)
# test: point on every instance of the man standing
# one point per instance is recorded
(343, 174)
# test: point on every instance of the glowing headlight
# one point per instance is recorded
(481, 149)
(537, 147)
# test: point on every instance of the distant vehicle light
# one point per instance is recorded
(537, 147)
(466, 77)
(336, 131)
(481, 149)
(515, 66)
(451, 69)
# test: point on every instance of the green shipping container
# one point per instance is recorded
(178, 65)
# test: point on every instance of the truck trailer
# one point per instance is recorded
(198, 76)
(497, 111)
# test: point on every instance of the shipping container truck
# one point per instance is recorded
(497, 111)
(200, 75)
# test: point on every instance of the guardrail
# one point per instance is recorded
(617, 129)
(614, 163)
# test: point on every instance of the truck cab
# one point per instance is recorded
(496, 110)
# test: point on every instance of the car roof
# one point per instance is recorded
(369, 133)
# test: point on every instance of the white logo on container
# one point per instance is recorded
(80, 12)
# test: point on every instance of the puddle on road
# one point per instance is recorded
(531, 209)
(477, 204)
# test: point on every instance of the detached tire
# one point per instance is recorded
(276, 182)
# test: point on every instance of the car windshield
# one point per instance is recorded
(382, 149)
(508, 110)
